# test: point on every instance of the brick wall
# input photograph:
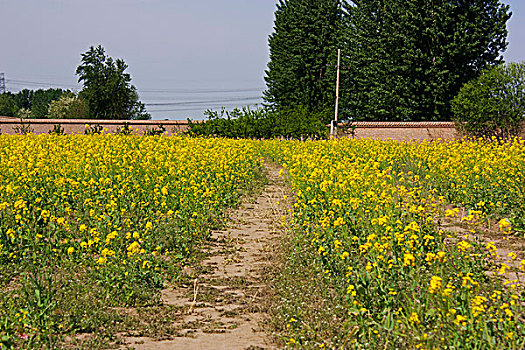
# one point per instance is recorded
(404, 131)
(376, 130)
(77, 126)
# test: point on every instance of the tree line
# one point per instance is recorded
(402, 60)
(107, 93)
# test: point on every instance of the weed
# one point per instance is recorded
(57, 130)
(93, 129)
(23, 128)
(155, 131)
(125, 129)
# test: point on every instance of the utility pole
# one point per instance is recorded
(333, 127)
(2, 83)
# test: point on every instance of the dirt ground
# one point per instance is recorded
(224, 307)
(489, 233)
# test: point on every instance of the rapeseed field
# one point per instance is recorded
(90, 222)
(374, 214)
(93, 222)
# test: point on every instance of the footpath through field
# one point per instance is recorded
(224, 307)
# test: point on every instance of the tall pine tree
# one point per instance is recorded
(408, 59)
(303, 50)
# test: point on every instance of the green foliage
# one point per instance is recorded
(155, 131)
(303, 53)
(23, 98)
(68, 106)
(36, 101)
(29, 103)
(261, 123)
(57, 130)
(300, 123)
(124, 130)
(24, 113)
(7, 105)
(493, 104)
(406, 60)
(107, 87)
(23, 128)
(93, 129)
(41, 100)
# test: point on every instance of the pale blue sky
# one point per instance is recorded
(183, 55)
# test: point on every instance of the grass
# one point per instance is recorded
(306, 307)
(368, 250)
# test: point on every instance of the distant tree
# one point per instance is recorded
(36, 101)
(24, 113)
(23, 98)
(7, 105)
(493, 104)
(107, 87)
(303, 52)
(68, 106)
(78, 109)
(41, 99)
(408, 59)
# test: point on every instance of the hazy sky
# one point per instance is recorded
(184, 56)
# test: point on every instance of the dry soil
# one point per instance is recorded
(223, 308)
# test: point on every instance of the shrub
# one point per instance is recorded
(68, 106)
(155, 131)
(493, 104)
(23, 128)
(57, 130)
(125, 129)
(24, 113)
(261, 124)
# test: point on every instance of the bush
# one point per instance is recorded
(493, 105)
(155, 131)
(24, 113)
(68, 106)
(57, 130)
(261, 123)
(7, 105)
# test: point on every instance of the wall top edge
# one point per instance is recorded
(403, 124)
(5, 120)
(359, 124)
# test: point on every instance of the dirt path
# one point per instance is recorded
(503, 243)
(223, 308)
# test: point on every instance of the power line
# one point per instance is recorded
(205, 103)
(36, 83)
(183, 98)
(176, 91)
(199, 91)
(187, 103)
(197, 109)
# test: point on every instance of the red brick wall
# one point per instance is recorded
(77, 126)
(402, 131)
(377, 130)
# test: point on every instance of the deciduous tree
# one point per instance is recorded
(408, 59)
(68, 106)
(107, 89)
(303, 50)
(7, 105)
(35, 103)
(493, 104)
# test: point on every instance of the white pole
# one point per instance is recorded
(333, 127)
